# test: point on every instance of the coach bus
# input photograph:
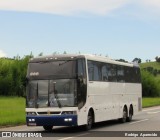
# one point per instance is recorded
(74, 90)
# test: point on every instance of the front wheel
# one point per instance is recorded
(48, 127)
(89, 124)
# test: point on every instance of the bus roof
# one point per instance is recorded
(56, 57)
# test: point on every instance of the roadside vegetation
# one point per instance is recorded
(150, 75)
(13, 76)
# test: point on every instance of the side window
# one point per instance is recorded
(94, 71)
(90, 71)
(127, 75)
(120, 73)
(81, 67)
(136, 75)
(112, 73)
(97, 71)
(81, 84)
(104, 73)
(132, 75)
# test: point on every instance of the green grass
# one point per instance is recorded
(149, 102)
(155, 65)
(12, 111)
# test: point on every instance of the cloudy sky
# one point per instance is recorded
(117, 28)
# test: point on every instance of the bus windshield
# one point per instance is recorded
(56, 84)
(52, 93)
(51, 84)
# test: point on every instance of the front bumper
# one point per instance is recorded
(53, 120)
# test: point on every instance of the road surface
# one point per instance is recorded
(147, 120)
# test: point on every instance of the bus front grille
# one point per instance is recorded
(46, 113)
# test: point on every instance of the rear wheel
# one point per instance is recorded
(89, 124)
(129, 118)
(124, 118)
(48, 127)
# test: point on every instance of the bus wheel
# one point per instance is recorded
(48, 127)
(89, 121)
(129, 118)
(124, 118)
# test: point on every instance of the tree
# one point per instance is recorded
(41, 54)
(122, 60)
(64, 52)
(54, 53)
(138, 60)
(157, 58)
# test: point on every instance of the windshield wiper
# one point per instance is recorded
(48, 92)
(57, 99)
(36, 104)
(55, 95)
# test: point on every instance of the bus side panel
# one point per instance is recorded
(117, 90)
(100, 99)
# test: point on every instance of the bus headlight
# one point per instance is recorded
(68, 120)
(31, 113)
(69, 112)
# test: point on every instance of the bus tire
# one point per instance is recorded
(48, 127)
(90, 121)
(129, 118)
(124, 117)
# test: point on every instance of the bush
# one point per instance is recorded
(150, 87)
(12, 76)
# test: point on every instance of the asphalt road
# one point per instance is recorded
(147, 120)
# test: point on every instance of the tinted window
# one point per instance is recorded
(132, 75)
(120, 73)
(112, 72)
(99, 71)
(137, 78)
(81, 67)
(127, 74)
(105, 71)
(94, 70)
(90, 71)
(81, 84)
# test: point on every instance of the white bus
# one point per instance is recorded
(74, 90)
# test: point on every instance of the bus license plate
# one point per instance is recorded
(32, 124)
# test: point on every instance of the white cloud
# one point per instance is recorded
(144, 10)
(63, 7)
(2, 54)
(139, 8)
(150, 3)
(151, 7)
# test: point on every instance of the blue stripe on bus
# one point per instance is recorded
(56, 120)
